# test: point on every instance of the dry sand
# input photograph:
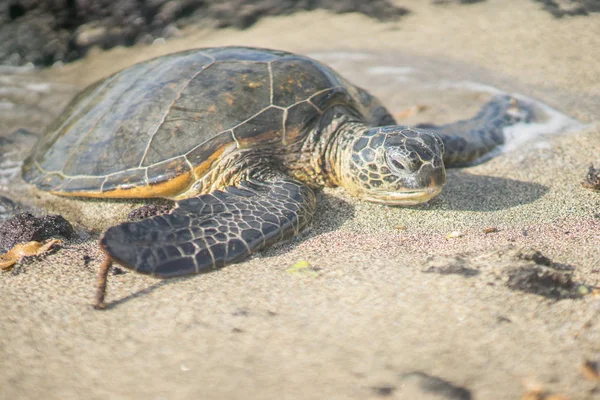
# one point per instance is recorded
(369, 321)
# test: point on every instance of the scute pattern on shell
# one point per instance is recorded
(153, 129)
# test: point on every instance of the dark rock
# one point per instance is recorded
(545, 282)
(455, 1)
(438, 386)
(565, 8)
(25, 227)
(383, 391)
(44, 32)
(453, 269)
(7, 208)
(592, 179)
(540, 259)
(117, 271)
(241, 312)
(450, 266)
(536, 257)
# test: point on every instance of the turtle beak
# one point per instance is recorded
(436, 175)
(403, 198)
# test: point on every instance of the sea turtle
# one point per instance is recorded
(241, 137)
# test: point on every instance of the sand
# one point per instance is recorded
(391, 307)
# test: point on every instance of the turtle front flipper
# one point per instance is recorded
(472, 140)
(213, 230)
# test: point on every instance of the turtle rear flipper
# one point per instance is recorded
(213, 230)
(474, 140)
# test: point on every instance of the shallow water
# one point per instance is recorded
(28, 103)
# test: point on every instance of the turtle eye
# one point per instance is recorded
(400, 160)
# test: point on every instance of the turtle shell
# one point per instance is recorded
(155, 128)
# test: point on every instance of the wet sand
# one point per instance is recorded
(390, 302)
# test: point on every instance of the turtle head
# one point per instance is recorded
(394, 165)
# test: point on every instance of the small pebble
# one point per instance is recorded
(117, 271)
(453, 235)
(583, 290)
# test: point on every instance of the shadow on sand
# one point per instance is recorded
(463, 192)
(331, 213)
(466, 192)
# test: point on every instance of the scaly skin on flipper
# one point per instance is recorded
(212, 230)
(468, 140)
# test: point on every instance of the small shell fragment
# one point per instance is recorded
(490, 230)
(454, 235)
